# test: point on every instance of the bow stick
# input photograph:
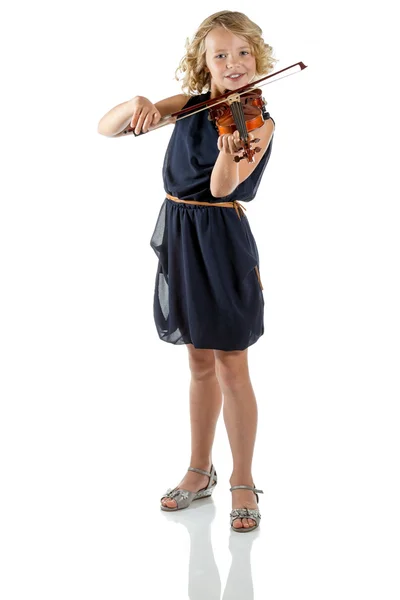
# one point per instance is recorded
(188, 112)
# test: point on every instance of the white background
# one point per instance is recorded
(94, 407)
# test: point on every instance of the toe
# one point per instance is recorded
(251, 522)
(237, 523)
(168, 503)
(245, 523)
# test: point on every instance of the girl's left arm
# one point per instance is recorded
(228, 174)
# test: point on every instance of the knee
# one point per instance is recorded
(230, 379)
(201, 363)
(232, 372)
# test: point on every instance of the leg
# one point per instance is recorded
(205, 408)
(240, 416)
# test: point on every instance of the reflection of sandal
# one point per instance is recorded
(184, 498)
(245, 513)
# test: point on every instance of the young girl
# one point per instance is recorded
(208, 291)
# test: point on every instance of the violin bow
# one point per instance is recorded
(188, 112)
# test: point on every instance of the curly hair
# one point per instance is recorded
(196, 80)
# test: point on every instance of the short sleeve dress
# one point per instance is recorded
(208, 290)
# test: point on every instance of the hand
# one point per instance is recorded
(231, 143)
(145, 114)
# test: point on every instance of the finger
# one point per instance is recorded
(139, 123)
(234, 145)
(147, 122)
(135, 117)
(156, 117)
(238, 141)
(236, 137)
(225, 143)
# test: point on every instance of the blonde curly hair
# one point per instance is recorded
(196, 80)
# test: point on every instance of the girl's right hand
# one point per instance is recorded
(145, 114)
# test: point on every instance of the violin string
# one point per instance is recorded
(238, 114)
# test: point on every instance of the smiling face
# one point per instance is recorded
(229, 60)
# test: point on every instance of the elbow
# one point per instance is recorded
(220, 192)
(223, 186)
(215, 193)
(102, 130)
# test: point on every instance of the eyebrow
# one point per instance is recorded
(224, 49)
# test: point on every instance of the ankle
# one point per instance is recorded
(201, 463)
(241, 480)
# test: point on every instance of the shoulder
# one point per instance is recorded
(172, 104)
(197, 99)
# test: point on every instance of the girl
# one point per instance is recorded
(208, 292)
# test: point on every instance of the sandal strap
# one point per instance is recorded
(243, 513)
(199, 471)
(246, 487)
(212, 475)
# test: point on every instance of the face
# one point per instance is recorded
(229, 60)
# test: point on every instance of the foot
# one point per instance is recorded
(243, 499)
(194, 482)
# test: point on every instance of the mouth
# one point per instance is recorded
(235, 76)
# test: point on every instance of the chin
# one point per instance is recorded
(233, 85)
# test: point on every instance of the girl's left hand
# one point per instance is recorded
(231, 143)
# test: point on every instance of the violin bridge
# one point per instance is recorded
(233, 98)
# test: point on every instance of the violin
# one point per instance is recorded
(236, 113)
(243, 113)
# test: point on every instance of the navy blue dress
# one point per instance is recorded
(207, 291)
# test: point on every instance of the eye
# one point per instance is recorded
(218, 55)
(245, 52)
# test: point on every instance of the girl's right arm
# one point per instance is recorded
(139, 113)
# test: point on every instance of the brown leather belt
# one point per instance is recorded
(234, 204)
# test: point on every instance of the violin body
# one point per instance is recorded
(243, 113)
(252, 105)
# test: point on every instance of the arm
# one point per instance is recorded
(138, 113)
(227, 174)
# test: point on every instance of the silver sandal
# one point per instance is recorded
(184, 498)
(246, 513)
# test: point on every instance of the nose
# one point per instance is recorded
(232, 63)
(233, 67)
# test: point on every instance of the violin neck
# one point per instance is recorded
(239, 118)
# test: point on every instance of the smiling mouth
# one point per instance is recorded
(234, 76)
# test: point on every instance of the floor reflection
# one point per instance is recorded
(204, 578)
